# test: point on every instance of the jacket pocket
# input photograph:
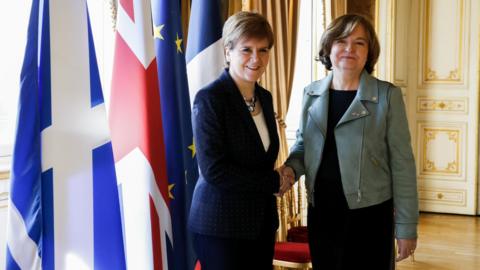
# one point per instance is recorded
(380, 164)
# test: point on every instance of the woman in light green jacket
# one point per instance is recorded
(353, 146)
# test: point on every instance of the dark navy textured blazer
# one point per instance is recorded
(233, 197)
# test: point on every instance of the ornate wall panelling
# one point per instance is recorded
(444, 43)
(446, 105)
(400, 43)
(446, 111)
(441, 151)
(393, 32)
(439, 198)
(430, 48)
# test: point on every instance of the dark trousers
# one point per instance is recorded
(342, 239)
(216, 253)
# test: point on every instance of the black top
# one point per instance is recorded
(328, 181)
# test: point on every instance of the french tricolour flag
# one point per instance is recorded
(64, 208)
(205, 57)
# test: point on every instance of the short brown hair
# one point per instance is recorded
(341, 28)
(246, 24)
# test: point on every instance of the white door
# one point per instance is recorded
(431, 49)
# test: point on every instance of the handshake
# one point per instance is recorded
(287, 179)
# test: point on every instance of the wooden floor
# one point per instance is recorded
(446, 242)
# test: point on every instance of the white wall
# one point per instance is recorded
(3, 220)
(14, 21)
(11, 52)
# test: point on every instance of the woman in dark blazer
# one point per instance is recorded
(234, 214)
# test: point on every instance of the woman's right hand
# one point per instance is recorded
(287, 179)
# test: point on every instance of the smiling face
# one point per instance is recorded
(350, 54)
(248, 60)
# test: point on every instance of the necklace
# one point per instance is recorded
(250, 103)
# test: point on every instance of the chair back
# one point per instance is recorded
(292, 209)
(291, 248)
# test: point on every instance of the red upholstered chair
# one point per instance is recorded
(294, 252)
(298, 234)
(292, 255)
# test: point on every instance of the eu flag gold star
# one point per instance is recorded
(157, 31)
(192, 148)
(170, 187)
(178, 41)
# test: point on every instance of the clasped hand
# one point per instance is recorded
(287, 179)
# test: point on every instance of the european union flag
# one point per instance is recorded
(176, 116)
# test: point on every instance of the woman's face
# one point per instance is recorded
(350, 53)
(248, 59)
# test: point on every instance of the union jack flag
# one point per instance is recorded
(152, 134)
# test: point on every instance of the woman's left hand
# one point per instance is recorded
(406, 248)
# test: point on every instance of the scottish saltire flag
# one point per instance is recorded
(64, 209)
(205, 56)
(138, 140)
(182, 171)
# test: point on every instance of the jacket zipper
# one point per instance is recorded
(359, 191)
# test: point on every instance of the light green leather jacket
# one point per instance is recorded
(373, 144)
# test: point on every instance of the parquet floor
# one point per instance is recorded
(446, 242)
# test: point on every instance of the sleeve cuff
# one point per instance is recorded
(406, 231)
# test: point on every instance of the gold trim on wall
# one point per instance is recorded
(429, 166)
(446, 105)
(456, 197)
(430, 75)
(452, 75)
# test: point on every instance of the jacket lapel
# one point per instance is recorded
(270, 120)
(355, 110)
(318, 110)
(367, 91)
(239, 107)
